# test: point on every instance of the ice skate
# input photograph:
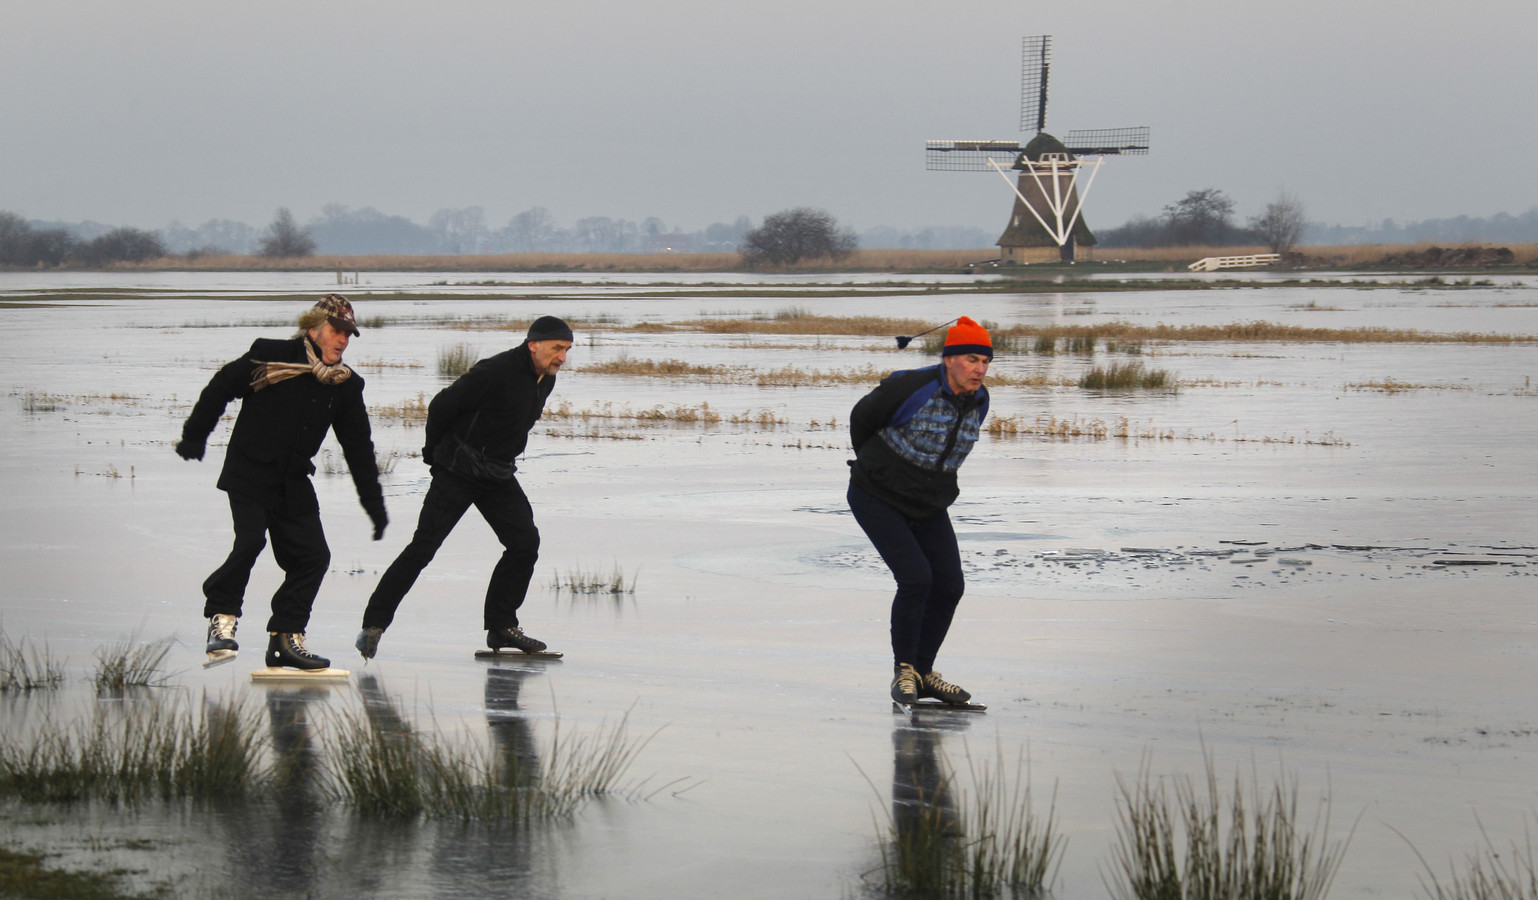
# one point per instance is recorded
(368, 642)
(905, 685)
(288, 659)
(221, 646)
(933, 687)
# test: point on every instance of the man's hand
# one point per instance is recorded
(427, 455)
(189, 449)
(376, 514)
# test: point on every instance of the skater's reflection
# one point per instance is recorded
(923, 810)
(278, 846)
(510, 731)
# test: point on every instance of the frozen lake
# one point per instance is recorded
(1128, 602)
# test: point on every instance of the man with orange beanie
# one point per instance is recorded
(910, 436)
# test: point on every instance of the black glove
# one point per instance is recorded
(187, 448)
(427, 455)
(376, 514)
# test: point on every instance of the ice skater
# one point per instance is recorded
(476, 428)
(291, 391)
(910, 436)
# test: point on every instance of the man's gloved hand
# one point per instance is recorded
(189, 449)
(376, 513)
(427, 455)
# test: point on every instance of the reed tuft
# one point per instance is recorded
(131, 663)
(1124, 376)
(456, 360)
(151, 748)
(26, 668)
(1180, 842)
(943, 840)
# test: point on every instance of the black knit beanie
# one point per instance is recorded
(549, 328)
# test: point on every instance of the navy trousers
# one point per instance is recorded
(505, 508)
(298, 545)
(926, 564)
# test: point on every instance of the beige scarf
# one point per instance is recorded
(273, 372)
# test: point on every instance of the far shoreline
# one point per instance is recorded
(1464, 258)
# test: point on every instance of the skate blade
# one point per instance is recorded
(924, 706)
(510, 653)
(277, 673)
(218, 657)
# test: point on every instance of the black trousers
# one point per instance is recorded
(505, 508)
(926, 564)
(298, 545)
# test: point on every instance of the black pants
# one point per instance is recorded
(926, 563)
(298, 545)
(505, 509)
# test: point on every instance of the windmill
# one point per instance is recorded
(1047, 193)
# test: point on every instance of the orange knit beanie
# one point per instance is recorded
(966, 336)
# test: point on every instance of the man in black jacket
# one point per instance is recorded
(476, 428)
(291, 393)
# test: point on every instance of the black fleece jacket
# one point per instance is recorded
(490, 408)
(280, 429)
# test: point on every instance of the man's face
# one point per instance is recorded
(548, 356)
(331, 341)
(965, 372)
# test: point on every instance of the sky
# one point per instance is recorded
(698, 111)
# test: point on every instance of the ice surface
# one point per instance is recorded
(1270, 584)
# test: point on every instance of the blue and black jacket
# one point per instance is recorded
(910, 436)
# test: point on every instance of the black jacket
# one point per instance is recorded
(489, 409)
(923, 484)
(280, 429)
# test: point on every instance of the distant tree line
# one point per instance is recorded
(22, 245)
(1205, 217)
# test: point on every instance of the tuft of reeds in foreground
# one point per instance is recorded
(131, 663)
(1488, 874)
(946, 841)
(26, 668)
(1128, 375)
(390, 770)
(128, 752)
(1182, 843)
(456, 360)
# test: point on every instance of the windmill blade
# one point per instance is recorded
(1035, 61)
(1108, 141)
(969, 156)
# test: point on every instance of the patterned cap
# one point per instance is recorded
(339, 312)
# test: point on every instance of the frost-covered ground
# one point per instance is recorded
(1276, 575)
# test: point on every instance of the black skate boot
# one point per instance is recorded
(501, 638)
(932, 685)
(221, 646)
(287, 650)
(368, 642)
(905, 684)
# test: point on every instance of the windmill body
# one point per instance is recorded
(1053, 176)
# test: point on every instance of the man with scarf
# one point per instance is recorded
(910, 436)
(291, 392)
(476, 428)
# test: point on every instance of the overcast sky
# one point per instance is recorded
(696, 111)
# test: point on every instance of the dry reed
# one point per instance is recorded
(1204, 846)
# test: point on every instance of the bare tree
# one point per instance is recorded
(793, 235)
(459, 230)
(531, 231)
(1201, 217)
(1281, 225)
(122, 245)
(284, 237)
